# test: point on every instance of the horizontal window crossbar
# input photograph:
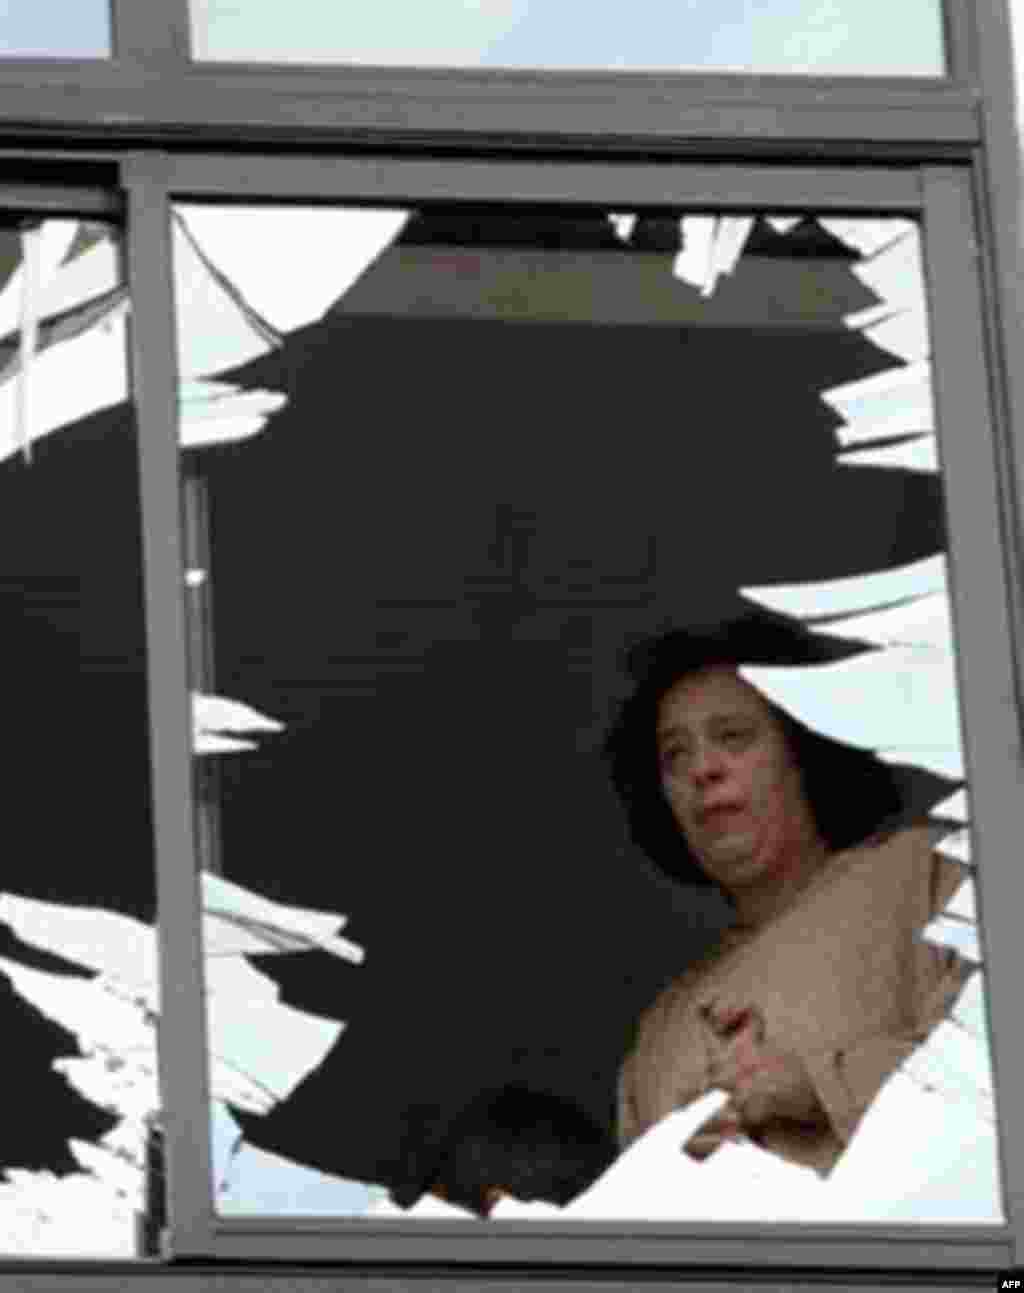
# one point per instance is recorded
(918, 1247)
(60, 201)
(393, 179)
(121, 103)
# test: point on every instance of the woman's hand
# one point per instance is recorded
(765, 1081)
(725, 1125)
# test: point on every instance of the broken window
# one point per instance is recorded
(78, 1177)
(801, 37)
(446, 471)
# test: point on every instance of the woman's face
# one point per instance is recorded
(730, 779)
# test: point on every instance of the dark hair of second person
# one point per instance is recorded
(529, 1144)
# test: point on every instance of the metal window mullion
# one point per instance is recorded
(206, 778)
(150, 34)
(961, 50)
(1001, 221)
(182, 1029)
(981, 602)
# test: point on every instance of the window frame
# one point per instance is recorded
(147, 109)
(150, 92)
(977, 483)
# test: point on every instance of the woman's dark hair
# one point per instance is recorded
(852, 793)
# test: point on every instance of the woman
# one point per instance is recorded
(823, 985)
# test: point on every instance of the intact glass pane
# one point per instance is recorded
(80, 1140)
(55, 29)
(575, 719)
(801, 37)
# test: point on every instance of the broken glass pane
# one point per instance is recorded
(470, 489)
(77, 909)
(798, 37)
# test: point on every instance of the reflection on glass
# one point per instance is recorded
(77, 943)
(512, 537)
(55, 29)
(796, 37)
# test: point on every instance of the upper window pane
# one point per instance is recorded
(821, 37)
(55, 29)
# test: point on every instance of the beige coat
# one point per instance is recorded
(840, 977)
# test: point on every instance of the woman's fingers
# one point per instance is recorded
(756, 1106)
(733, 1022)
(727, 1020)
(706, 1139)
(703, 1144)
